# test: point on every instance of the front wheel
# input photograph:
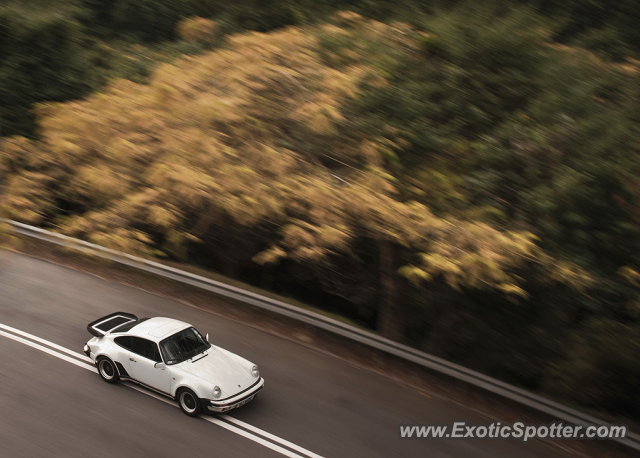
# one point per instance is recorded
(189, 403)
(107, 370)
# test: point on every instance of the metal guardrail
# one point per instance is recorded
(431, 362)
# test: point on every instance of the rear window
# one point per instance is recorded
(128, 326)
(124, 342)
(112, 323)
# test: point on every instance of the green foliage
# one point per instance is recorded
(469, 79)
(79, 64)
(603, 362)
(607, 42)
(43, 56)
(265, 16)
(558, 167)
(606, 25)
(150, 20)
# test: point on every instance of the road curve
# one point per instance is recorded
(313, 404)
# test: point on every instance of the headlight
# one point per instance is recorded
(255, 371)
(216, 392)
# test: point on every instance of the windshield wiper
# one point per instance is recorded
(200, 358)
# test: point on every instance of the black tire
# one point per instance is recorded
(107, 370)
(189, 403)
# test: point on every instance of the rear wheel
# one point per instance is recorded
(107, 370)
(189, 403)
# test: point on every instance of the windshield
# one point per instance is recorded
(182, 346)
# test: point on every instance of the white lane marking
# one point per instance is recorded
(257, 439)
(215, 421)
(49, 351)
(233, 428)
(269, 436)
(51, 344)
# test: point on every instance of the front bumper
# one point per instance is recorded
(235, 401)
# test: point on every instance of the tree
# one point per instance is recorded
(42, 57)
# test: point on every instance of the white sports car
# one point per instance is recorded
(172, 358)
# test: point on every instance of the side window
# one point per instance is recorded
(146, 348)
(124, 342)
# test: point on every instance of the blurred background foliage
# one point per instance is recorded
(56, 50)
(462, 177)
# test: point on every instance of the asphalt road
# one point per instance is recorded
(53, 408)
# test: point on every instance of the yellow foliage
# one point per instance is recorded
(270, 256)
(197, 29)
(234, 137)
(347, 18)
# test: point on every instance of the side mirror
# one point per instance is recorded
(159, 366)
(207, 337)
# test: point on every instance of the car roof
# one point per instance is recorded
(158, 328)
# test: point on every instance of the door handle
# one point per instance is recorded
(131, 359)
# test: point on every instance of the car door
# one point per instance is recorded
(144, 355)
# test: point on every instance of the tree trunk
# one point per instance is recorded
(231, 255)
(442, 334)
(389, 320)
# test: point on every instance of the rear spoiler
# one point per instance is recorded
(105, 324)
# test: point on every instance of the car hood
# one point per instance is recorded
(224, 369)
